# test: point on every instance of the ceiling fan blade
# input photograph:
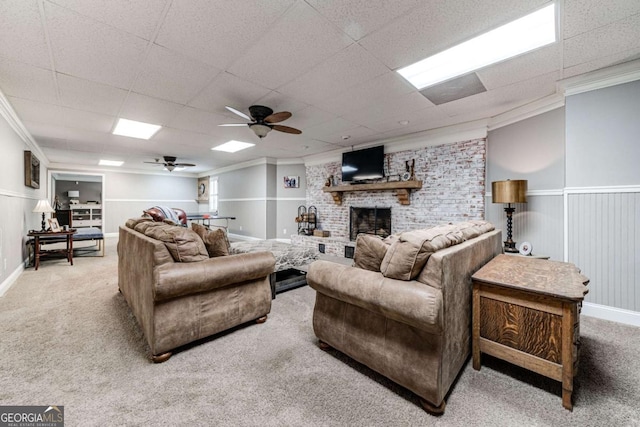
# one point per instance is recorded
(277, 117)
(239, 113)
(184, 165)
(234, 124)
(154, 163)
(287, 129)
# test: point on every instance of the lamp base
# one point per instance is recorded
(510, 247)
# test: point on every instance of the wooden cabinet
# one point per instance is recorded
(526, 311)
(86, 215)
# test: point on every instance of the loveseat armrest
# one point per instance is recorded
(179, 279)
(409, 302)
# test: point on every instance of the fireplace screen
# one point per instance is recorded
(376, 221)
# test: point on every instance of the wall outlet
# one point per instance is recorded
(284, 231)
(240, 228)
(5, 264)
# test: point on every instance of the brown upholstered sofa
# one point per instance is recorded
(404, 308)
(179, 294)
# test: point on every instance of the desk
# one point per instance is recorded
(207, 218)
(39, 252)
(526, 311)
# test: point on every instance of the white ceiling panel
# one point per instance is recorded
(338, 73)
(70, 67)
(150, 110)
(140, 17)
(89, 49)
(604, 41)
(300, 39)
(360, 17)
(581, 16)
(218, 32)
(227, 89)
(172, 76)
(26, 81)
(87, 95)
(22, 36)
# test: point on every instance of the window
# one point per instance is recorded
(213, 195)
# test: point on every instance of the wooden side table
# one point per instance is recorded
(526, 311)
(39, 252)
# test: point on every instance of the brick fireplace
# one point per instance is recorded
(375, 221)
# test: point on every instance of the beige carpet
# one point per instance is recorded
(68, 338)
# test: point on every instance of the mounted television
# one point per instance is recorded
(361, 165)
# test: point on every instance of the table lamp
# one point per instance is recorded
(509, 192)
(45, 207)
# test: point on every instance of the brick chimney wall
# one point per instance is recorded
(453, 187)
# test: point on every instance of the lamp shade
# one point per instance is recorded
(509, 191)
(73, 193)
(260, 130)
(43, 206)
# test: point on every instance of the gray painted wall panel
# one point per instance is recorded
(604, 242)
(250, 215)
(603, 137)
(289, 199)
(539, 222)
(243, 183)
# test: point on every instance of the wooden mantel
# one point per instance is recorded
(403, 189)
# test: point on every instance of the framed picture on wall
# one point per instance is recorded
(291, 182)
(203, 189)
(31, 170)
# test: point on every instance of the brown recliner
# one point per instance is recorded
(159, 216)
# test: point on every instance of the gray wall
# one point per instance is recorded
(16, 203)
(288, 199)
(532, 149)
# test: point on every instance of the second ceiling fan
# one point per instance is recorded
(262, 120)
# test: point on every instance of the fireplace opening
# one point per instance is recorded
(375, 221)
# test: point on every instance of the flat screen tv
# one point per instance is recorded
(362, 165)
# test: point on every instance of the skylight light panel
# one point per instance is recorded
(233, 146)
(110, 163)
(135, 129)
(515, 38)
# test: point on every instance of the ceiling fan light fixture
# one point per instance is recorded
(170, 168)
(260, 129)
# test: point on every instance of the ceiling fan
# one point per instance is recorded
(262, 120)
(170, 164)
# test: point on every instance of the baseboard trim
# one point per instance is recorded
(9, 281)
(241, 237)
(613, 314)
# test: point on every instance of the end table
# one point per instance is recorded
(44, 235)
(526, 311)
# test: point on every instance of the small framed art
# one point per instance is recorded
(54, 225)
(291, 182)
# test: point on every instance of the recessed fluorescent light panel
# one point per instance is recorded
(135, 129)
(522, 35)
(233, 146)
(110, 163)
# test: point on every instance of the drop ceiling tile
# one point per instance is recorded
(21, 33)
(218, 32)
(390, 107)
(349, 67)
(280, 102)
(604, 41)
(195, 120)
(308, 117)
(60, 144)
(362, 96)
(585, 15)
(329, 128)
(88, 49)
(26, 81)
(524, 67)
(361, 17)
(423, 118)
(348, 137)
(182, 138)
(149, 110)
(440, 24)
(37, 112)
(299, 40)
(607, 61)
(82, 94)
(172, 76)
(140, 17)
(87, 120)
(227, 89)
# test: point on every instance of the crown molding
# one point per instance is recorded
(9, 114)
(92, 170)
(527, 111)
(599, 79)
(243, 165)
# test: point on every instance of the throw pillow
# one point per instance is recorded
(183, 244)
(370, 251)
(214, 240)
(202, 230)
